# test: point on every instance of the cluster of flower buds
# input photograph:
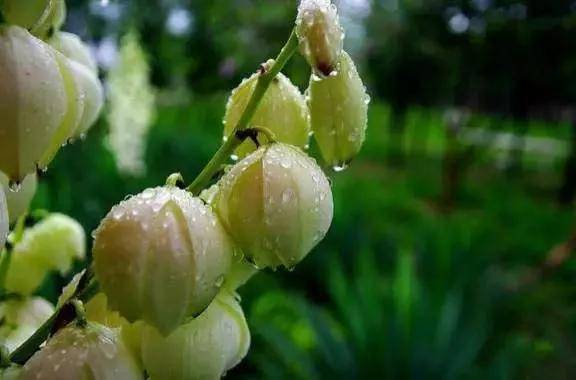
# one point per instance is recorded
(50, 91)
(169, 262)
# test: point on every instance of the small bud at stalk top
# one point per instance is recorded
(320, 34)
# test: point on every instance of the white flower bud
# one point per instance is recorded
(21, 318)
(52, 244)
(33, 101)
(3, 219)
(26, 13)
(91, 352)
(339, 108)
(73, 48)
(18, 199)
(283, 111)
(161, 257)
(320, 35)
(204, 348)
(277, 204)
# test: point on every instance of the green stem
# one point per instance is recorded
(266, 77)
(6, 258)
(31, 345)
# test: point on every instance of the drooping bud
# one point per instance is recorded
(161, 257)
(283, 111)
(73, 48)
(277, 204)
(91, 352)
(28, 14)
(214, 342)
(320, 34)
(90, 94)
(339, 111)
(18, 199)
(21, 318)
(4, 221)
(51, 245)
(33, 101)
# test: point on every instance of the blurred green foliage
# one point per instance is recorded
(400, 288)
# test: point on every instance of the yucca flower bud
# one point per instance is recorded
(91, 352)
(161, 257)
(51, 245)
(213, 343)
(3, 219)
(320, 34)
(89, 98)
(339, 107)
(72, 47)
(33, 101)
(21, 318)
(28, 14)
(18, 198)
(283, 111)
(277, 204)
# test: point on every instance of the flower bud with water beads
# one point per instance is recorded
(320, 35)
(204, 348)
(33, 101)
(339, 111)
(277, 205)
(83, 352)
(161, 256)
(283, 111)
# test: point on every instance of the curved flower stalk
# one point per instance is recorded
(166, 264)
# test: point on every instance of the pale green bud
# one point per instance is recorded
(339, 111)
(277, 204)
(91, 96)
(53, 244)
(21, 318)
(94, 352)
(204, 348)
(33, 101)
(28, 14)
(283, 111)
(4, 221)
(161, 257)
(73, 48)
(320, 35)
(85, 98)
(19, 197)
